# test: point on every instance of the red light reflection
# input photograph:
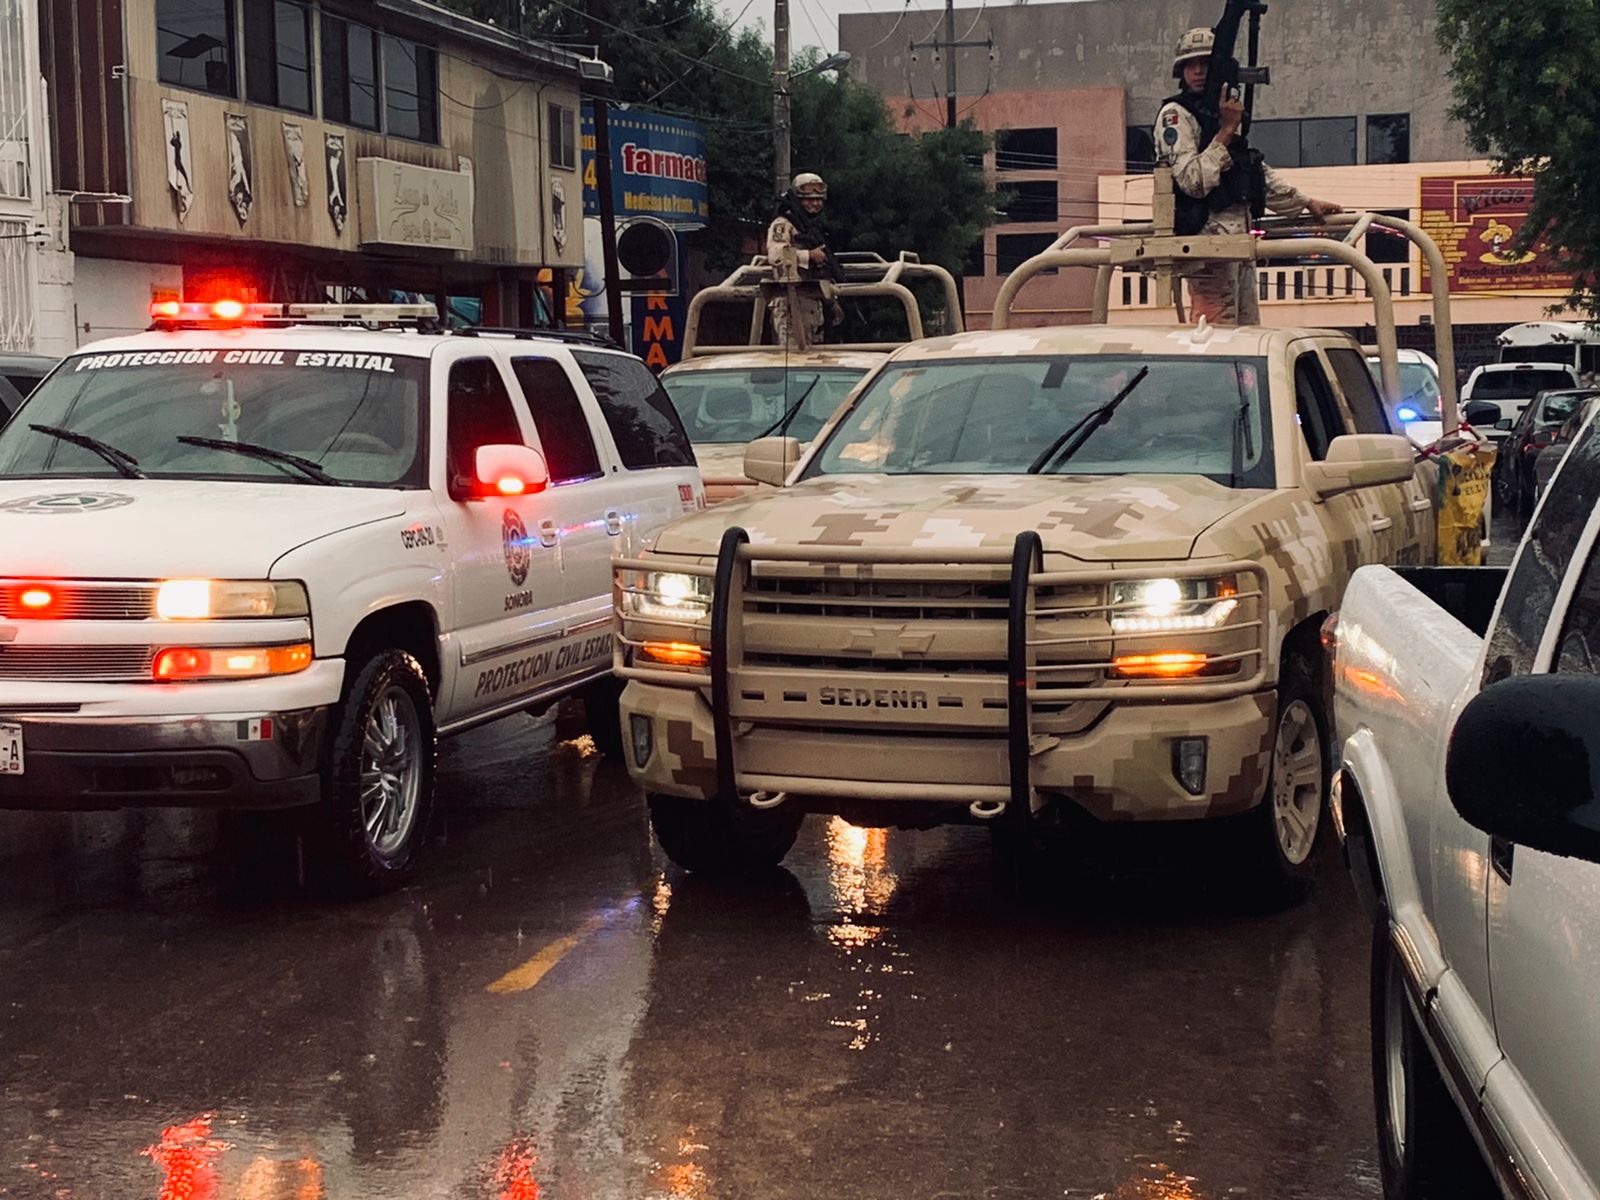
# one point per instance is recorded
(514, 1172)
(187, 1155)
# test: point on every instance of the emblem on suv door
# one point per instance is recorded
(519, 555)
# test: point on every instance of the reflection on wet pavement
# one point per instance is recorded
(552, 1011)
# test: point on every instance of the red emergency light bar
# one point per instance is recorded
(217, 311)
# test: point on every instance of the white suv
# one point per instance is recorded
(265, 559)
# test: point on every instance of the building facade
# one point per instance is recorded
(1357, 112)
(307, 150)
(35, 266)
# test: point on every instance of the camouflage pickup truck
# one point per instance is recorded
(1021, 572)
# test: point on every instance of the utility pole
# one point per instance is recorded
(780, 96)
(948, 46)
(599, 79)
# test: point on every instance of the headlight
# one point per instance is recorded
(221, 599)
(1172, 605)
(672, 596)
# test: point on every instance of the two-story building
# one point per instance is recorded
(306, 150)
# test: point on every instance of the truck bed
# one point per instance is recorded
(1468, 594)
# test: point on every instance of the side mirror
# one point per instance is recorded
(1480, 412)
(1505, 424)
(1361, 460)
(770, 459)
(1524, 763)
(503, 470)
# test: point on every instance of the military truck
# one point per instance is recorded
(1027, 575)
(733, 387)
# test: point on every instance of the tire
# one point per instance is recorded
(375, 810)
(602, 708)
(1278, 839)
(1425, 1150)
(712, 838)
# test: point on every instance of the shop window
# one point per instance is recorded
(349, 73)
(410, 90)
(1011, 250)
(277, 54)
(1389, 138)
(563, 137)
(1025, 150)
(1032, 200)
(195, 45)
(1140, 151)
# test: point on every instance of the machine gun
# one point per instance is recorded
(1245, 182)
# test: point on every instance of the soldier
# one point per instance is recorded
(798, 227)
(1196, 146)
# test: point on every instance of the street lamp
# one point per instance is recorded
(780, 91)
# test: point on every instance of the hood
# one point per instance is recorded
(160, 528)
(1092, 518)
(720, 460)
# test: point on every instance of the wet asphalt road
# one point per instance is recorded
(552, 1011)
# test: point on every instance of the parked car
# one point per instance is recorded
(1466, 800)
(1534, 430)
(1510, 386)
(1544, 466)
(1416, 411)
(19, 375)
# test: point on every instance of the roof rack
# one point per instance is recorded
(546, 333)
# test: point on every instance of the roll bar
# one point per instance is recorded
(865, 274)
(1140, 247)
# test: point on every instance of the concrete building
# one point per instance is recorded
(1358, 112)
(35, 267)
(302, 149)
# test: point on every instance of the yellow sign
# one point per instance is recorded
(1463, 493)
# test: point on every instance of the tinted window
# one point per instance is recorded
(277, 54)
(349, 73)
(642, 420)
(1517, 385)
(1011, 250)
(1032, 200)
(1542, 562)
(1025, 150)
(558, 416)
(1140, 150)
(194, 42)
(410, 91)
(1328, 142)
(1279, 141)
(480, 414)
(1320, 419)
(1578, 651)
(563, 136)
(1389, 138)
(10, 398)
(1385, 245)
(1359, 392)
(23, 383)
(1011, 416)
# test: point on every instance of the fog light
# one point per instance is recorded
(1189, 764)
(644, 739)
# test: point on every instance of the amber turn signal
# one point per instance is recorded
(677, 654)
(1171, 665)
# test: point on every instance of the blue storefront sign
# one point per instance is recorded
(658, 167)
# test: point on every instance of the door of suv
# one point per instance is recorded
(1402, 520)
(1544, 910)
(1347, 520)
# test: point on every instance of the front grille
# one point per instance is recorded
(77, 600)
(865, 598)
(100, 664)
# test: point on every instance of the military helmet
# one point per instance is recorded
(1195, 44)
(807, 183)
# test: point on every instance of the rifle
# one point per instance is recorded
(1246, 181)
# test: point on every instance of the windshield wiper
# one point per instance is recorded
(1244, 445)
(266, 454)
(781, 425)
(126, 464)
(1081, 430)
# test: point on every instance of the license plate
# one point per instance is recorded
(10, 749)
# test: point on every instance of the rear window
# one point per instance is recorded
(643, 423)
(1518, 385)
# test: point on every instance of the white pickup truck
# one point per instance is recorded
(264, 559)
(1467, 797)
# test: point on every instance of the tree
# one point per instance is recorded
(1525, 74)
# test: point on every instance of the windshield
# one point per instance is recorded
(1419, 392)
(1517, 385)
(358, 417)
(999, 416)
(742, 405)
(1552, 352)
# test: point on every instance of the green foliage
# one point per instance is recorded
(887, 192)
(1525, 75)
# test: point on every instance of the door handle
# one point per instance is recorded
(547, 533)
(613, 522)
(1501, 854)
(1382, 524)
(1421, 505)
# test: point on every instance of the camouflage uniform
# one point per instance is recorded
(780, 242)
(1224, 293)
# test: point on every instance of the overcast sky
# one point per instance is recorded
(816, 22)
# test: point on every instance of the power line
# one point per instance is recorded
(704, 58)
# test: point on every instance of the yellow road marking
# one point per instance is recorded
(520, 979)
